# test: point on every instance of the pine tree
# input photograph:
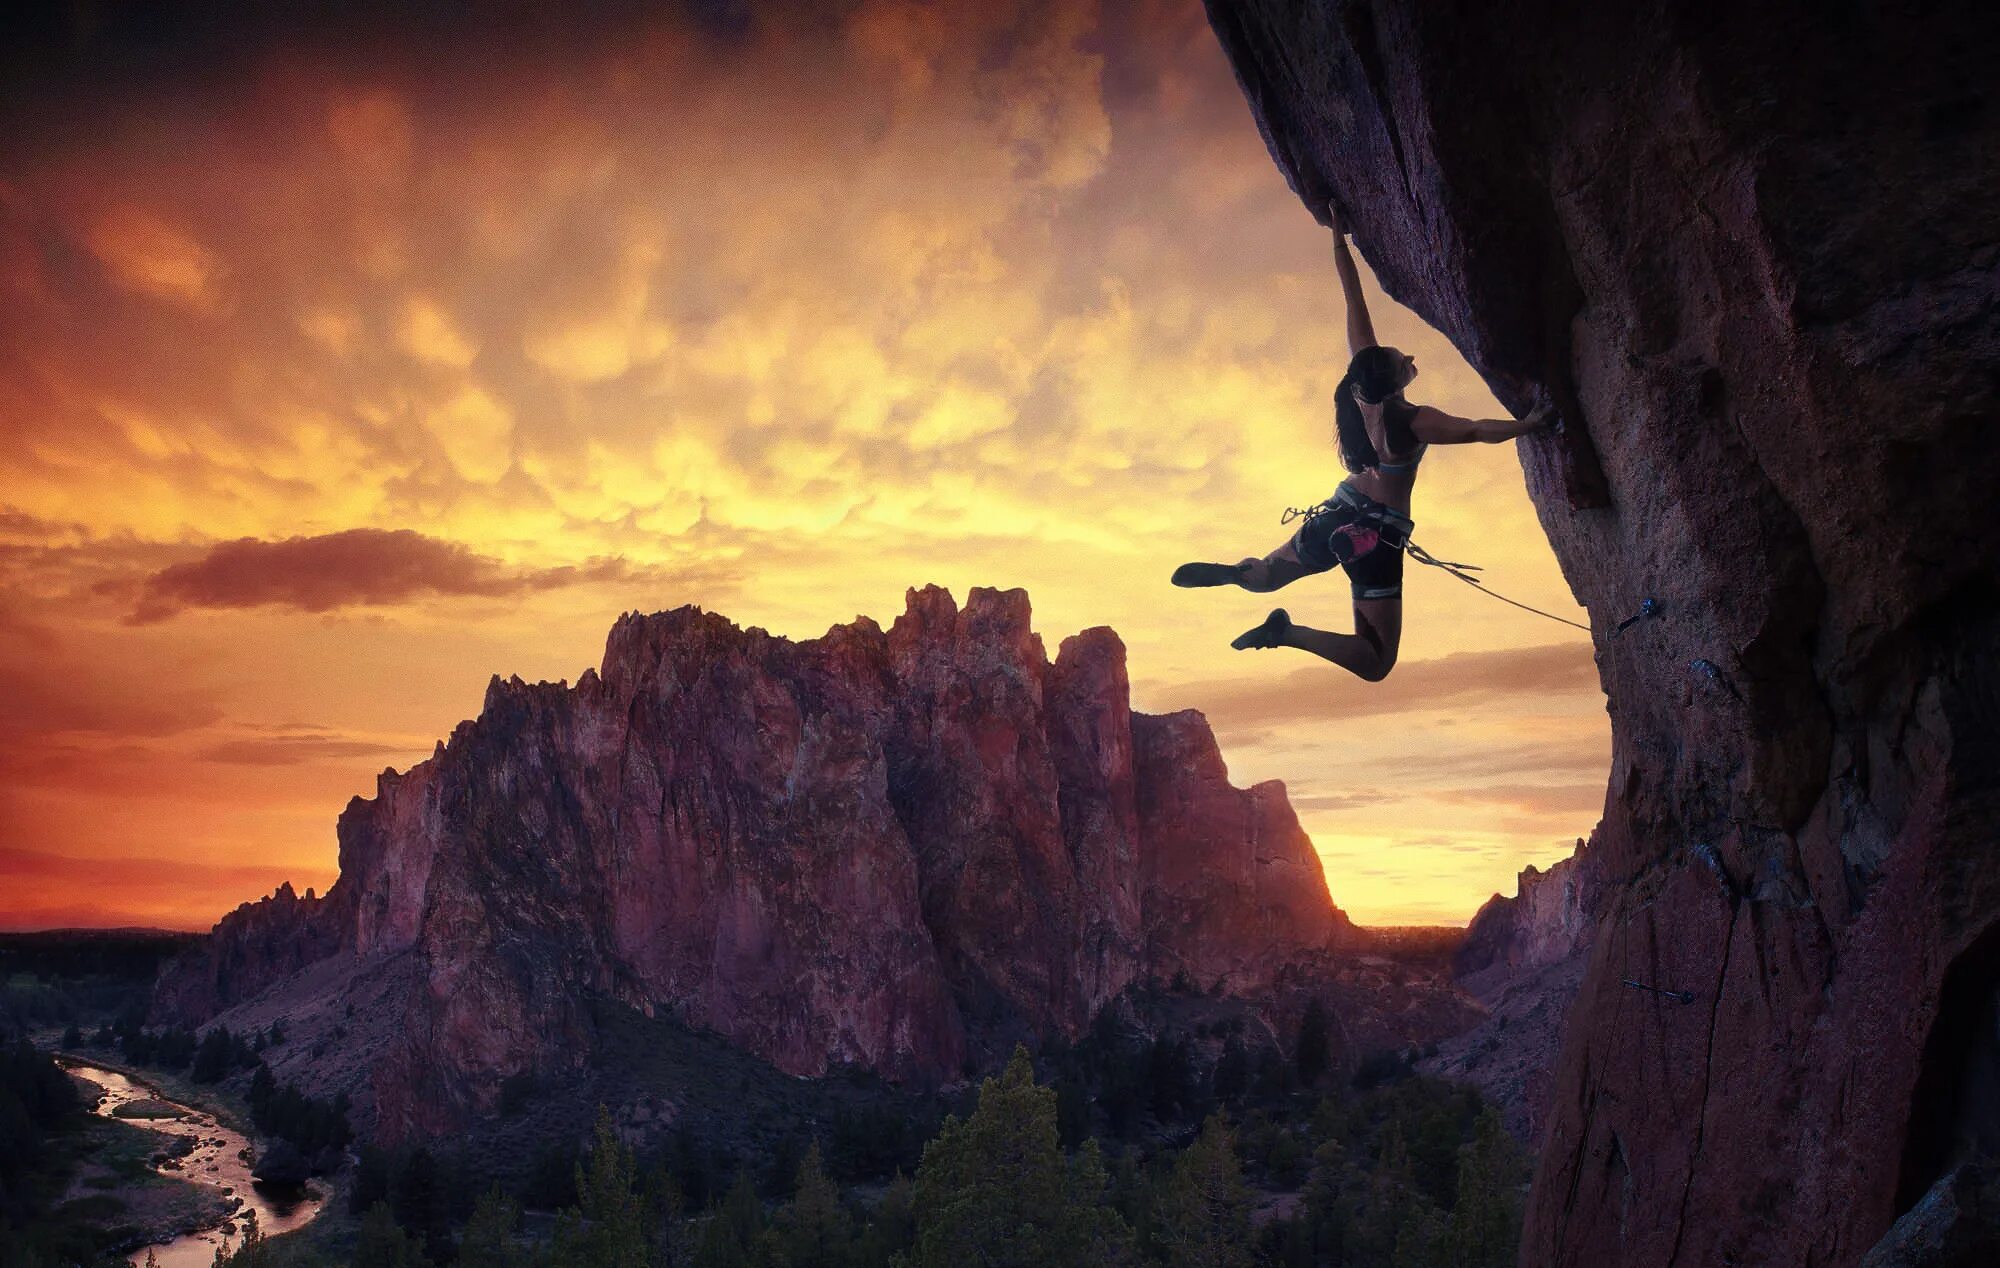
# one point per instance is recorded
(417, 1196)
(607, 1227)
(995, 1190)
(892, 1226)
(384, 1244)
(734, 1236)
(1206, 1220)
(211, 1059)
(1232, 1071)
(1391, 1192)
(488, 1240)
(1486, 1221)
(1421, 1238)
(814, 1230)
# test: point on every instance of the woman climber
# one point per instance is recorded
(1365, 526)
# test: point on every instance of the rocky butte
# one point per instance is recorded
(900, 850)
(1750, 253)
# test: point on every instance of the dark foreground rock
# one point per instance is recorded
(1750, 254)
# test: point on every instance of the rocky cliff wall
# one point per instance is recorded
(1523, 958)
(900, 850)
(1750, 254)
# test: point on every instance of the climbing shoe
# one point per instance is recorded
(1270, 634)
(1191, 576)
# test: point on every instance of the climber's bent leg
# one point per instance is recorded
(1274, 571)
(1366, 654)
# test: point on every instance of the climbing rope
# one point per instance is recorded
(1460, 571)
(1422, 556)
(1679, 997)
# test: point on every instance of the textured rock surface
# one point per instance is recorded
(1523, 958)
(1550, 918)
(899, 850)
(1750, 253)
(1955, 1225)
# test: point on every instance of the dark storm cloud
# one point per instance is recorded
(361, 566)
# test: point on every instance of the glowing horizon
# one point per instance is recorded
(335, 387)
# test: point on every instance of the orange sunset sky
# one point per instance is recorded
(343, 368)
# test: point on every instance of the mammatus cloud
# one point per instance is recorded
(358, 567)
(484, 331)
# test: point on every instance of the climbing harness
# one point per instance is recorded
(1648, 608)
(1384, 518)
(1392, 528)
(1679, 997)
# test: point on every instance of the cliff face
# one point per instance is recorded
(1523, 958)
(898, 850)
(1550, 918)
(1750, 255)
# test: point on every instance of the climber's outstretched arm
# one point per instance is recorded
(1360, 331)
(1435, 427)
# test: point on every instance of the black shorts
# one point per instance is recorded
(1361, 535)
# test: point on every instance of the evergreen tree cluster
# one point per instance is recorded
(1404, 1173)
(170, 1048)
(220, 1054)
(1411, 1174)
(78, 977)
(318, 1128)
(36, 1096)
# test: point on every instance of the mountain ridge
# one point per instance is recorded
(902, 850)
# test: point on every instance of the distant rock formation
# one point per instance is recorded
(898, 850)
(1523, 958)
(1749, 254)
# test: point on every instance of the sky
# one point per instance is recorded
(346, 365)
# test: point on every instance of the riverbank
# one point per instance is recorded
(190, 1141)
(118, 1190)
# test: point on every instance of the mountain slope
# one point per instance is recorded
(897, 850)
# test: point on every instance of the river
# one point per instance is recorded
(218, 1160)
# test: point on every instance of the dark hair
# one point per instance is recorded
(1377, 373)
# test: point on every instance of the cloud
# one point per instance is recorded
(1309, 802)
(294, 750)
(360, 566)
(1316, 694)
(18, 529)
(49, 690)
(50, 890)
(1533, 799)
(145, 253)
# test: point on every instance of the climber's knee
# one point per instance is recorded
(1255, 576)
(1384, 662)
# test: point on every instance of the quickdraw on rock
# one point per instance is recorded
(1648, 608)
(1679, 997)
